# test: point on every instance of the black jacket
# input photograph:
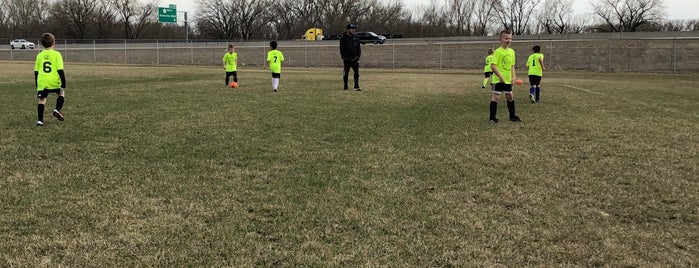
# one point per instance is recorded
(350, 48)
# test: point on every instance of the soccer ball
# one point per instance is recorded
(234, 84)
(518, 82)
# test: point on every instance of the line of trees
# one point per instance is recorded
(288, 19)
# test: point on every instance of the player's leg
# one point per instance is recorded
(235, 76)
(59, 104)
(275, 81)
(355, 69)
(494, 103)
(511, 105)
(345, 74)
(228, 75)
(486, 81)
(41, 95)
(532, 88)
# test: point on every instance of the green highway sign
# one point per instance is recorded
(167, 15)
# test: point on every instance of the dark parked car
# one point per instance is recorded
(370, 37)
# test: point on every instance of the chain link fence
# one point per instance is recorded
(595, 53)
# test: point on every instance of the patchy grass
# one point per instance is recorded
(164, 166)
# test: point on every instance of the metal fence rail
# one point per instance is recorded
(663, 54)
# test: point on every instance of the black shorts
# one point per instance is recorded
(276, 75)
(488, 74)
(500, 88)
(45, 93)
(534, 80)
(233, 73)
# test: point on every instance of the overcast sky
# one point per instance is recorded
(675, 9)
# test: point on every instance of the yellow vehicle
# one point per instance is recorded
(313, 34)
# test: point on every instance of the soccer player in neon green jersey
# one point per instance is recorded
(49, 77)
(275, 59)
(487, 70)
(230, 64)
(504, 73)
(535, 64)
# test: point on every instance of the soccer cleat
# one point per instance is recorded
(58, 115)
(532, 98)
(515, 119)
(482, 86)
(493, 121)
(357, 89)
(39, 123)
(274, 89)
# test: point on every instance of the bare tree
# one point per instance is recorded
(24, 17)
(215, 19)
(515, 15)
(483, 16)
(134, 15)
(389, 18)
(76, 17)
(555, 16)
(459, 15)
(628, 15)
(3, 17)
(250, 16)
(336, 14)
(432, 21)
(286, 21)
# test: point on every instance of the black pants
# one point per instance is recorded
(354, 64)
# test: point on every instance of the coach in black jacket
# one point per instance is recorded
(351, 51)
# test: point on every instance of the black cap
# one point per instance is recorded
(351, 26)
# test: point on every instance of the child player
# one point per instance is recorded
(535, 64)
(503, 67)
(49, 77)
(487, 70)
(275, 59)
(230, 64)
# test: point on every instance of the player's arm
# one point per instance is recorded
(494, 68)
(541, 63)
(514, 73)
(63, 78)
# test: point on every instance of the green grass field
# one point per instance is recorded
(164, 166)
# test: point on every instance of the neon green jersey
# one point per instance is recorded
(275, 59)
(504, 60)
(534, 65)
(231, 61)
(48, 62)
(488, 61)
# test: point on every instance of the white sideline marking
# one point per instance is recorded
(634, 101)
(586, 90)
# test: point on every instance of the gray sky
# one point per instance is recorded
(675, 9)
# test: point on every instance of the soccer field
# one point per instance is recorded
(164, 166)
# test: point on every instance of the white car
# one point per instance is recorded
(21, 43)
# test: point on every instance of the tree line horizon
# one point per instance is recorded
(245, 20)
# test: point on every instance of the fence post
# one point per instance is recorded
(125, 61)
(609, 62)
(191, 52)
(65, 49)
(157, 52)
(441, 58)
(674, 55)
(94, 51)
(394, 55)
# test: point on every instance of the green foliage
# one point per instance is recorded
(164, 166)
